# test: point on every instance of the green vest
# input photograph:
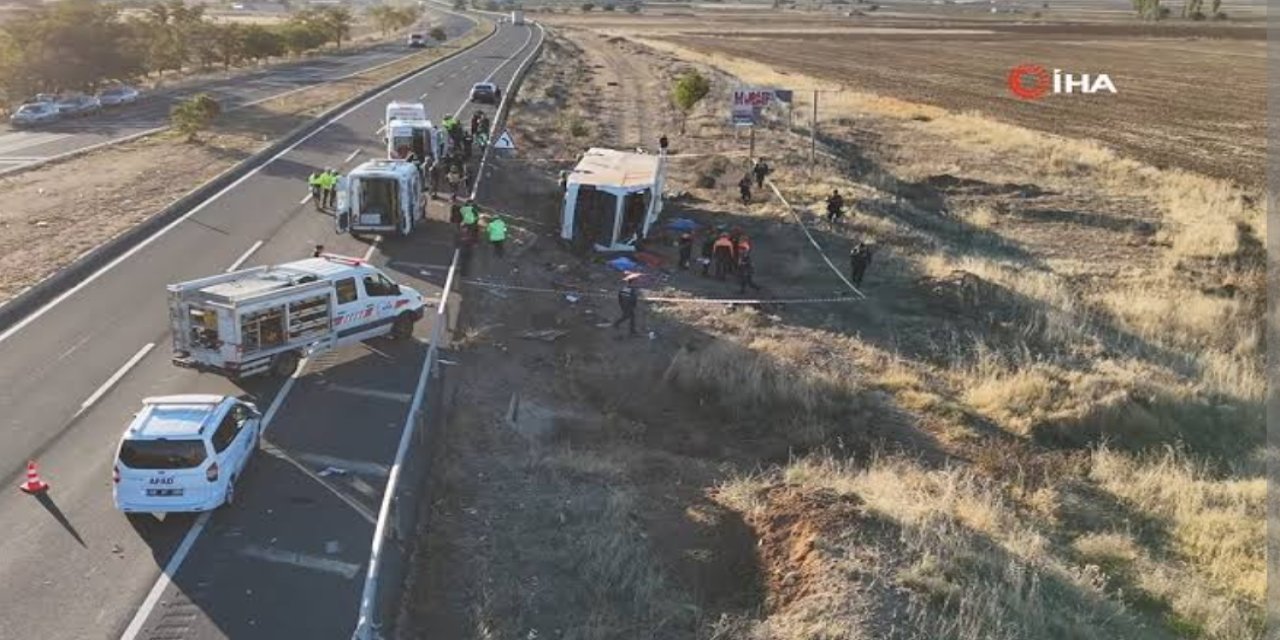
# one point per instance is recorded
(314, 180)
(497, 231)
(468, 214)
(329, 180)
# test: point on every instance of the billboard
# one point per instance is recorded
(749, 102)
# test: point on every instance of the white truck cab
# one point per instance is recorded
(381, 196)
(398, 110)
(414, 136)
(184, 453)
(266, 319)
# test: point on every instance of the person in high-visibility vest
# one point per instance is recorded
(470, 220)
(329, 187)
(497, 234)
(316, 182)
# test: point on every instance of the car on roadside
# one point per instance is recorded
(184, 453)
(34, 114)
(77, 104)
(417, 41)
(43, 97)
(117, 95)
(486, 92)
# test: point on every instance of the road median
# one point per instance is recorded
(64, 223)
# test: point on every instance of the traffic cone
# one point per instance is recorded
(33, 484)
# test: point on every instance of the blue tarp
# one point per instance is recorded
(624, 264)
(682, 224)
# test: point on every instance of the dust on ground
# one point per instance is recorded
(57, 214)
(902, 466)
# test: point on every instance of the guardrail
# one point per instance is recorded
(400, 501)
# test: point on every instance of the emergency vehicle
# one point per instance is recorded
(266, 319)
(417, 136)
(381, 196)
(397, 110)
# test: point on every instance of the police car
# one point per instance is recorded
(184, 453)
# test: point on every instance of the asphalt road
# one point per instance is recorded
(287, 560)
(27, 146)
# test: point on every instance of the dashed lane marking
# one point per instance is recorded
(345, 569)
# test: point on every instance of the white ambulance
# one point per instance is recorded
(266, 319)
(381, 196)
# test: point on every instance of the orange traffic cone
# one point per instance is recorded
(33, 484)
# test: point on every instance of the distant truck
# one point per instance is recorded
(517, 17)
(417, 41)
(266, 319)
(381, 196)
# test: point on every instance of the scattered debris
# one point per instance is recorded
(571, 298)
(332, 471)
(545, 335)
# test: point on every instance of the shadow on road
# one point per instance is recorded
(52, 507)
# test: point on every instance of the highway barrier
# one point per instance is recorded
(63, 280)
(394, 535)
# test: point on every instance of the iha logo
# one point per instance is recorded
(1032, 82)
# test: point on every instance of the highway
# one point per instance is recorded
(287, 560)
(29, 146)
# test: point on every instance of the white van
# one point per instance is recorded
(184, 453)
(381, 196)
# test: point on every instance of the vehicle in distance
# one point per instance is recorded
(34, 113)
(417, 40)
(486, 92)
(43, 97)
(77, 105)
(184, 453)
(117, 95)
(266, 319)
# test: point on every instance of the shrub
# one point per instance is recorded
(193, 115)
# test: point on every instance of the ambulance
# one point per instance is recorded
(381, 196)
(264, 320)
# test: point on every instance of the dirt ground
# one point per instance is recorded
(45, 226)
(922, 463)
(1163, 74)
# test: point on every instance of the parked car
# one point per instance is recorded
(34, 113)
(184, 453)
(417, 41)
(117, 95)
(486, 92)
(43, 97)
(77, 105)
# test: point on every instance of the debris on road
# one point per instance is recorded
(545, 335)
(332, 471)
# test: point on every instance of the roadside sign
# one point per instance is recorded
(504, 141)
(749, 102)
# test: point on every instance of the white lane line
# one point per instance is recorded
(188, 541)
(115, 377)
(373, 246)
(11, 331)
(305, 199)
(245, 256)
(371, 393)
(344, 569)
(358, 466)
(369, 516)
(350, 157)
(364, 488)
(424, 96)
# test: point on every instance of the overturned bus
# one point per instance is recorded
(611, 200)
(381, 196)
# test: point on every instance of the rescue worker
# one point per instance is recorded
(835, 207)
(741, 246)
(722, 255)
(485, 125)
(761, 171)
(708, 249)
(859, 260)
(662, 144)
(467, 141)
(744, 188)
(455, 212)
(466, 243)
(475, 122)
(329, 187)
(433, 176)
(454, 178)
(482, 140)
(315, 182)
(318, 252)
(497, 229)
(745, 272)
(470, 216)
(628, 298)
(686, 250)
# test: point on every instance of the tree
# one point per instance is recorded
(337, 22)
(633, 8)
(459, 5)
(587, 7)
(610, 7)
(383, 17)
(193, 115)
(261, 43)
(438, 34)
(690, 89)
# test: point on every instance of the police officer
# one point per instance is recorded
(744, 188)
(859, 260)
(835, 207)
(497, 229)
(663, 143)
(628, 299)
(761, 171)
(686, 250)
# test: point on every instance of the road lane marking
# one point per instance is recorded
(350, 157)
(373, 246)
(245, 256)
(170, 569)
(371, 393)
(22, 324)
(305, 199)
(317, 563)
(424, 96)
(120, 373)
(273, 450)
(364, 488)
(358, 466)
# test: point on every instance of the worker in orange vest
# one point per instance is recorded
(722, 255)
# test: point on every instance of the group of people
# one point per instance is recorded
(723, 253)
(759, 171)
(466, 215)
(324, 188)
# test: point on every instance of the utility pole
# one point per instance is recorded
(751, 155)
(813, 131)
